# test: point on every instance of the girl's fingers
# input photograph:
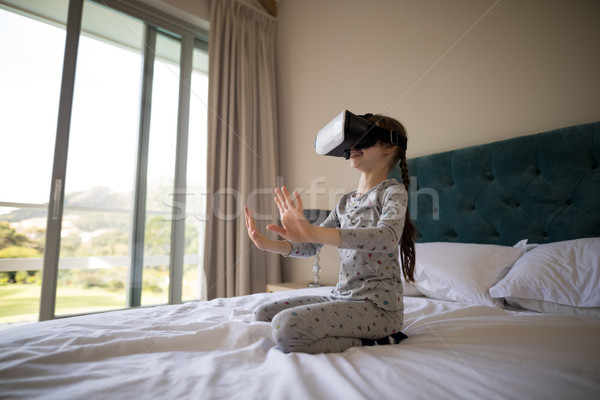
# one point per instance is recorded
(281, 198)
(249, 219)
(277, 229)
(298, 199)
(279, 206)
(294, 201)
(288, 199)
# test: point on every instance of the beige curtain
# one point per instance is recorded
(242, 140)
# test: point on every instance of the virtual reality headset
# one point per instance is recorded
(348, 131)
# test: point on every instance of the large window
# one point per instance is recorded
(30, 74)
(101, 152)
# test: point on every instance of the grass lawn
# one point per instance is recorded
(20, 302)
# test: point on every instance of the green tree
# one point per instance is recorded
(18, 252)
(16, 245)
(10, 237)
(110, 243)
(157, 236)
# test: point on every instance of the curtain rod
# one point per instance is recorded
(257, 9)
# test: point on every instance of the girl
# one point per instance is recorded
(372, 230)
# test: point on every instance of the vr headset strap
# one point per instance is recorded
(388, 136)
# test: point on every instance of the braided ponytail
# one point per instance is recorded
(407, 241)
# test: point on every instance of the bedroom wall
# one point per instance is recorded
(456, 73)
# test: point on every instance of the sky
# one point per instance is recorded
(105, 117)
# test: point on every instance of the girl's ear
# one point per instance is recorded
(389, 148)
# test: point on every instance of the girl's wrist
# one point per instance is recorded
(328, 236)
(281, 247)
(286, 248)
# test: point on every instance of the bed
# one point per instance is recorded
(505, 305)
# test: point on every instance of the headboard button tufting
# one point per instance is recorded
(512, 197)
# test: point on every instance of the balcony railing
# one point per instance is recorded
(35, 264)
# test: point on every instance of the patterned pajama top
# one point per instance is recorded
(371, 226)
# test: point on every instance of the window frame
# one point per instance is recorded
(192, 37)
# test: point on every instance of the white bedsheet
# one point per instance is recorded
(210, 350)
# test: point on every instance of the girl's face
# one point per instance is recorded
(376, 156)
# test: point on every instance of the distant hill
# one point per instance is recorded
(20, 215)
(97, 197)
(101, 197)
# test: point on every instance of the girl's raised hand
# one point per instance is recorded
(260, 240)
(294, 226)
(263, 242)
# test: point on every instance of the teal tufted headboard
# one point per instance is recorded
(543, 187)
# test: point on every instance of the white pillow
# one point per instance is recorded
(565, 273)
(463, 271)
(547, 307)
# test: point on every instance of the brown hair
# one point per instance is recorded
(407, 241)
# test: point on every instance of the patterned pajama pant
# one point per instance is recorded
(317, 324)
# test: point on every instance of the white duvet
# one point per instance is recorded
(210, 350)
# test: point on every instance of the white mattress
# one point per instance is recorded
(210, 350)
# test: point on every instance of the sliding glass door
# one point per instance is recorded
(132, 94)
(101, 163)
(196, 189)
(30, 76)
